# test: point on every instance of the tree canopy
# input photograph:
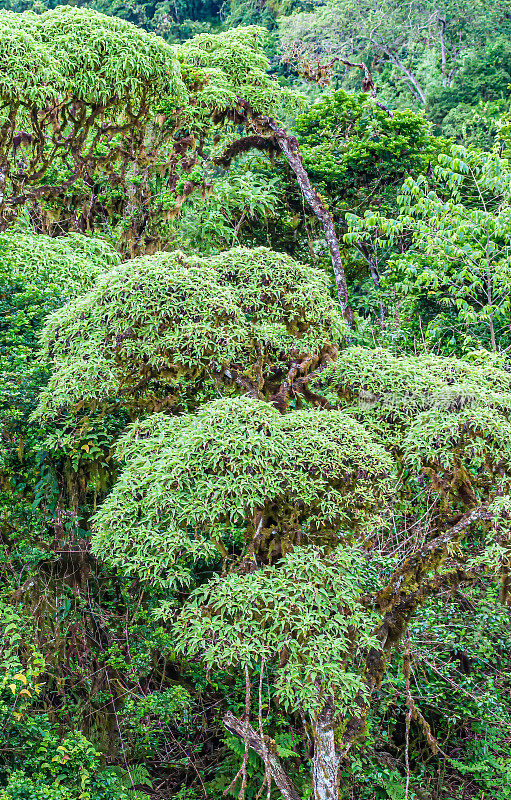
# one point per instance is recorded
(164, 331)
(101, 119)
(239, 465)
(255, 401)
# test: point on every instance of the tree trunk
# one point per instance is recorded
(411, 77)
(441, 24)
(271, 137)
(325, 768)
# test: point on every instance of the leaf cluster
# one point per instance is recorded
(154, 330)
(305, 476)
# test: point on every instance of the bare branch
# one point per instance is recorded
(264, 749)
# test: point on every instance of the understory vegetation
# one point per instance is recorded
(255, 400)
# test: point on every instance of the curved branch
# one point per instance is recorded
(266, 750)
(405, 592)
(289, 147)
(270, 131)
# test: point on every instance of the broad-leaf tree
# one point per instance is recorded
(358, 154)
(169, 331)
(106, 124)
(399, 34)
(298, 504)
(239, 552)
(78, 92)
(37, 275)
(448, 249)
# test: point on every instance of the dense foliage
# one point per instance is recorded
(105, 124)
(255, 400)
(164, 331)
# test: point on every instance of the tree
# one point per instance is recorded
(103, 125)
(77, 101)
(85, 139)
(470, 108)
(239, 208)
(357, 153)
(169, 331)
(37, 275)
(175, 22)
(450, 249)
(294, 502)
(103, 151)
(292, 578)
(398, 34)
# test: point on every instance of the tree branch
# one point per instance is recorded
(430, 556)
(400, 599)
(270, 131)
(267, 751)
(289, 147)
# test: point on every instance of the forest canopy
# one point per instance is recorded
(255, 400)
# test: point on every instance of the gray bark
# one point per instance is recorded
(289, 147)
(411, 77)
(441, 25)
(325, 769)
